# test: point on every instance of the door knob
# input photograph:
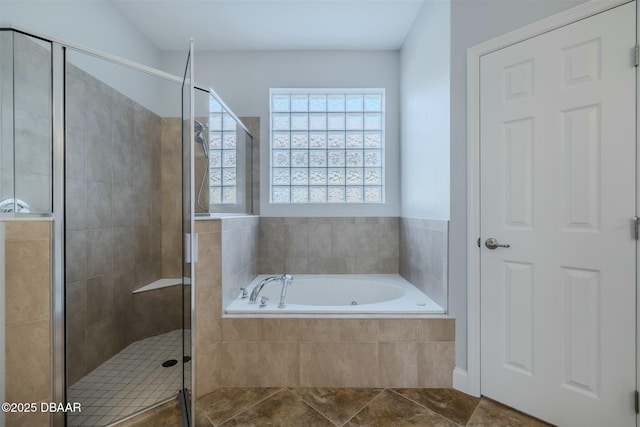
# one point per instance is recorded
(492, 243)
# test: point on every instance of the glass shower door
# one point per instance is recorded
(189, 256)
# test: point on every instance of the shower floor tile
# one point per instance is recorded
(130, 381)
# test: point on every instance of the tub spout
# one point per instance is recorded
(286, 281)
(257, 288)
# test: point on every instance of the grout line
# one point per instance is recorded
(249, 407)
(315, 410)
(364, 407)
(429, 409)
(474, 411)
(366, 404)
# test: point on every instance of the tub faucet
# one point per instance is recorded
(257, 288)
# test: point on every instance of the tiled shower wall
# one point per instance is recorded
(113, 192)
(171, 197)
(424, 256)
(25, 114)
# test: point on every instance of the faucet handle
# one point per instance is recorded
(245, 294)
(263, 301)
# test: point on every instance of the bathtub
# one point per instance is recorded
(339, 294)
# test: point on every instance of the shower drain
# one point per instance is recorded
(173, 362)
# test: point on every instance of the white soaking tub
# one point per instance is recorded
(346, 294)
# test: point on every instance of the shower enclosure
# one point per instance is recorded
(124, 286)
(100, 148)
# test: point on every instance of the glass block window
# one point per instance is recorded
(327, 146)
(222, 155)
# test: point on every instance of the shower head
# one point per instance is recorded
(200, 132)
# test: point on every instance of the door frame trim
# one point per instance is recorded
(470, 383)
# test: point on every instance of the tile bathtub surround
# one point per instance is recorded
(114, 225)
(365, 245)
(337, 407)
(424, 256)
(296, 352)
(28, 317)
(331, 353)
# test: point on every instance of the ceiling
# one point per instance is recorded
(227, 25)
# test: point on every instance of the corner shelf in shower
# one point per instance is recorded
(158, 284)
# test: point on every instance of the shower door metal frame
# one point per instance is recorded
(58, 332)
(190, 247)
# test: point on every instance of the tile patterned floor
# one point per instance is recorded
(130, 381)
(283, 407)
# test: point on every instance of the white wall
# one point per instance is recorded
(243, 80)
(425, 88)
(473, 22)
(98, 25)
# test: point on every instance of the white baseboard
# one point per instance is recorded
(461, 381)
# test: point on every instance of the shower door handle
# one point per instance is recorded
(492, 243)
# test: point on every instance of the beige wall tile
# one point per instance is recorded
(208, 366)
(241, 329)
(278, 364)
(27, 230)
(280, 329)
(236, 363)
(398, 364)
(338, 364)
(436, 361)
(437, 330)
(27, 280)
(209, 265)
(336, 330)
(28, 342)
(209, 226)
(255, 364)
(397, 329)
(29, 419)
(28, 362)
(208, 330)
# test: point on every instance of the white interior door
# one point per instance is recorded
(558, 171)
